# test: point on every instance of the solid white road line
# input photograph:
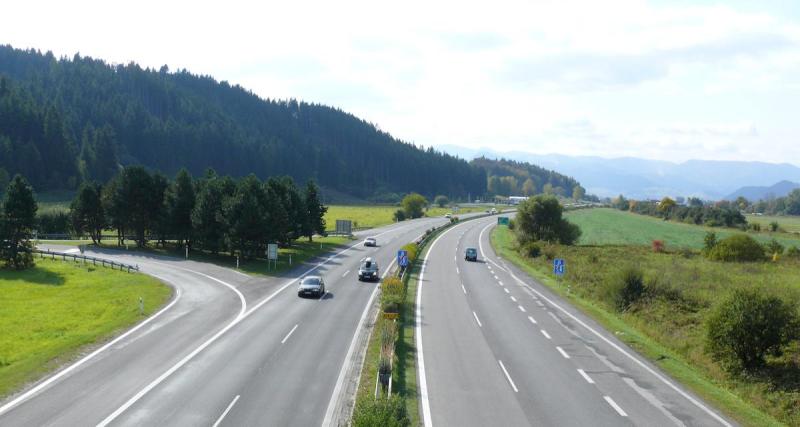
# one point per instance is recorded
(228, 409)
(513, 299)
(215, 337)
(242, 301)
(585, 376)
(546, 335)
(532, 320)
(288, 335)
(24, 396)
(521, 308)
(463, 289)
(477, 320)
(346, 273)
(423, 380)
(615, 406)
(641, 364)
(508, 376)
(563, 353)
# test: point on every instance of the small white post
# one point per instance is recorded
(237, 262)
(141, 306)
(187, 251)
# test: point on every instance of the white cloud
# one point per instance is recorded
(622, 77)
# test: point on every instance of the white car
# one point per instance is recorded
(370, 241)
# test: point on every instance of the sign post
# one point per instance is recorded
(559, 268)
(272, 254)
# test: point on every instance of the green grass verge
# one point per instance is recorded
(50, 312)
(604, 226)
(669, 333)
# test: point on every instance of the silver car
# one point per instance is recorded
(311, 285)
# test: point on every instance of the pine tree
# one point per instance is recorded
(315, 212)
(18, 222)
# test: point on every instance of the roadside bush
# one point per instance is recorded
(391, 303)
(774, 226)
(531, 249)
(747, 326)
(625, 288)
(399, 215)
(737, 248)
(550, 252)
(392, 286)
(412, 250)
(774, 247)
(388, 335)
(388, 412)
(793, 252)
(511, 224)
(754, 226)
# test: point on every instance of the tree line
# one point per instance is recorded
(211, 213)
(511, 178)
(694, 211)
(68, 120)
(788, 205)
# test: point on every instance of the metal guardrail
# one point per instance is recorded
(87, 259)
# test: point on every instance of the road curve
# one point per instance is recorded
(500, 348)
(225, 335)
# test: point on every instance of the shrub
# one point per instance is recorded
(388, 334)
(391, 303)
(774, 247)
(388, 412)
(754, 226)
(399, 215)
(412, 249)
(774, 226)
(531, 249)
(709, 241)
(747, 326)
(511, 224)
(392, 286)
(625, 288)
(793, 252)
(550, 252)
(658, 246)
(737, 248)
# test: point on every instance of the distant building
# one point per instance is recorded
(515, 200)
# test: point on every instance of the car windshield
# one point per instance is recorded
(471, 251)
(312, 281)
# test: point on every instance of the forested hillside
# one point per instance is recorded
(512, 178)
(66, 120)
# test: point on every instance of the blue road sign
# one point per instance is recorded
(559, 266)
(402, 258)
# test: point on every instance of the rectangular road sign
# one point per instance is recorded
(344, 227)
(502, 220)
(402, 258)
(272, 251)
(559, 266)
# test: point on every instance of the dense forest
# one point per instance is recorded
(66, 120)
(788, 205)
(512, 178)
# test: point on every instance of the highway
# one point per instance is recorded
(495, 347)
(229, 349)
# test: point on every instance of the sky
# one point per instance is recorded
(671, 80)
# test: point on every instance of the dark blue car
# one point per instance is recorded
(471, 255)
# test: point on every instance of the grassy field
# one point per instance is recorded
(668, 325)
(789, 223)
(614, 227)
(379, 215)
(50, 312)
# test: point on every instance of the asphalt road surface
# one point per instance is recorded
(229, 349)
(498, 348)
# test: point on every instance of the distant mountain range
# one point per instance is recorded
(755, 193)
(650, 179)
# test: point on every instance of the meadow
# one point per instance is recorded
(791, 224)
(49, 313)
(379, 215)
(668, 324)
(605, 226)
